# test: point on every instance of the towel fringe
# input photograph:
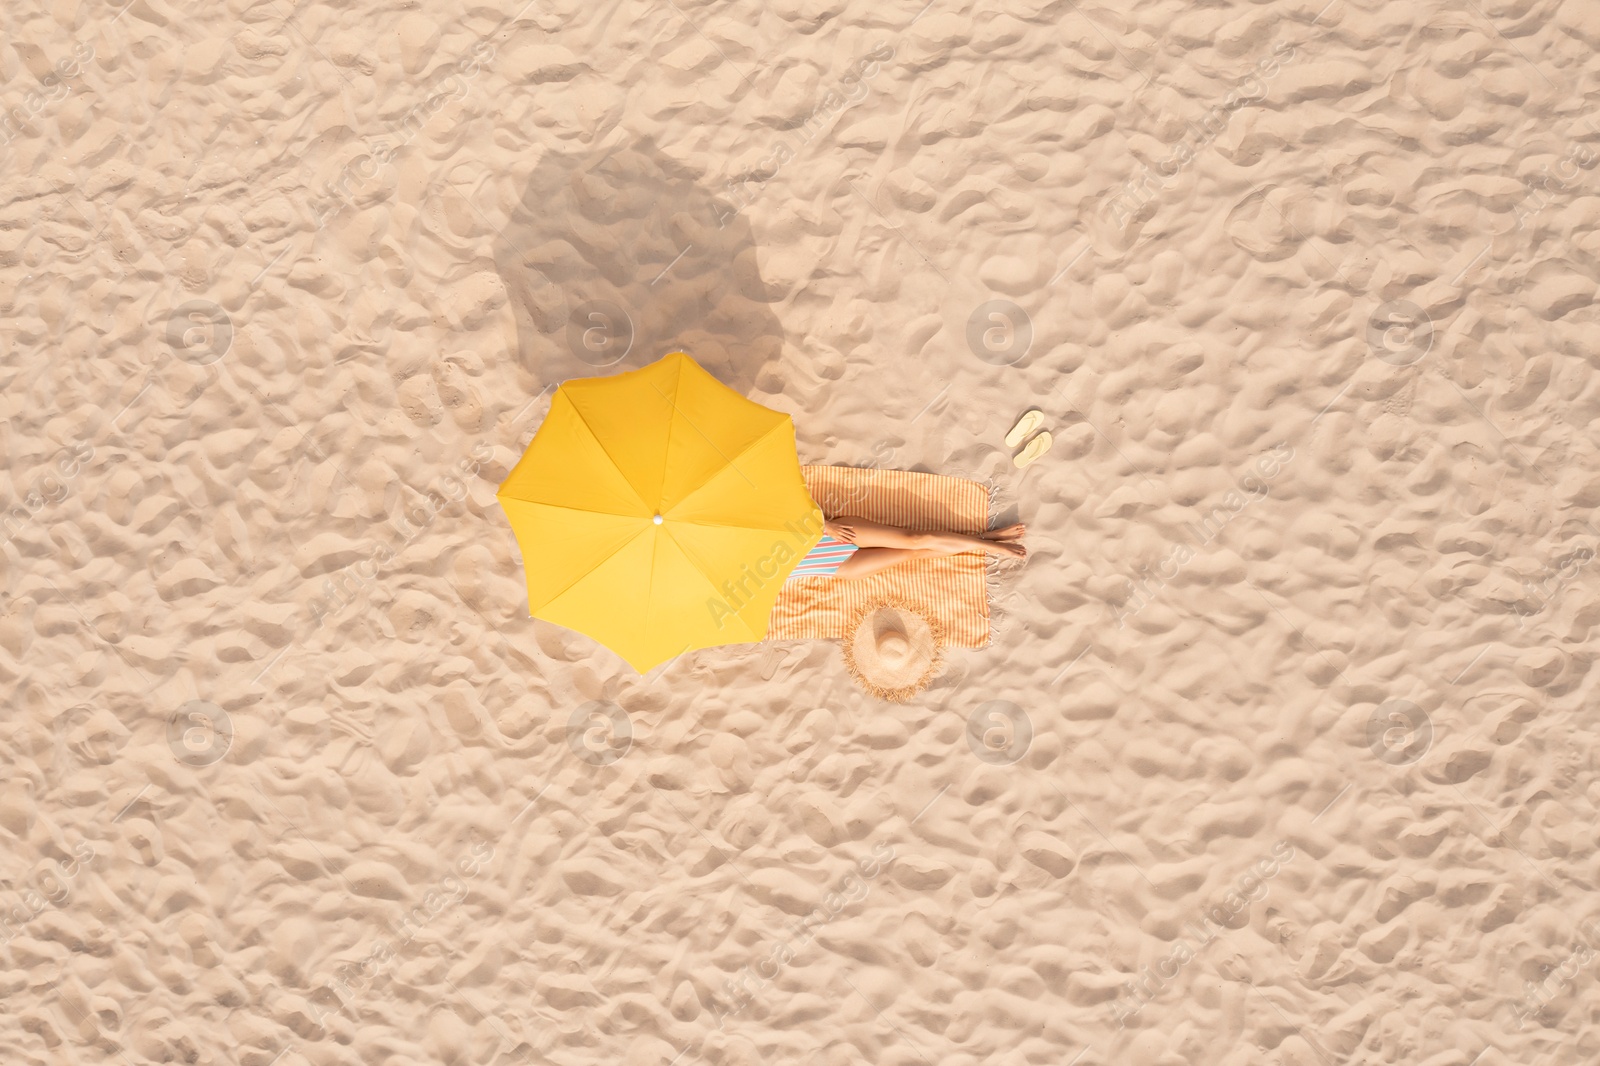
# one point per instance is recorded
(998, 616)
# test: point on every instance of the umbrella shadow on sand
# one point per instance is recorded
(613, 259)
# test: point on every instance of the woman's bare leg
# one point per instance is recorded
(866, 561)
(868, 534)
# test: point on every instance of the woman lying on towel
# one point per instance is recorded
(855, 547)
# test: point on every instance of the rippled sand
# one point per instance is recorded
(1284, 749)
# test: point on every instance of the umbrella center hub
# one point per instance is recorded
(656, 520)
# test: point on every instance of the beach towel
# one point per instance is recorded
(952, 590)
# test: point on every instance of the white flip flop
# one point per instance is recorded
(1036, 447)
(1030, 421)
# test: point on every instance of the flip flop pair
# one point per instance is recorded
(1030, 421)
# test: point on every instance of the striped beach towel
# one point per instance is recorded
(953, 590)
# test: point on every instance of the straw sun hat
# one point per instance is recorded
(892, 649)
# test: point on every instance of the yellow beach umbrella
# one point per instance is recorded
(658, 511)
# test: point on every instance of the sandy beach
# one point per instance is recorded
(1283, 750)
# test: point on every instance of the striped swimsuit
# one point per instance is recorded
(824, 559)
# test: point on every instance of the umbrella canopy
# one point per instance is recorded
(658, 511)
